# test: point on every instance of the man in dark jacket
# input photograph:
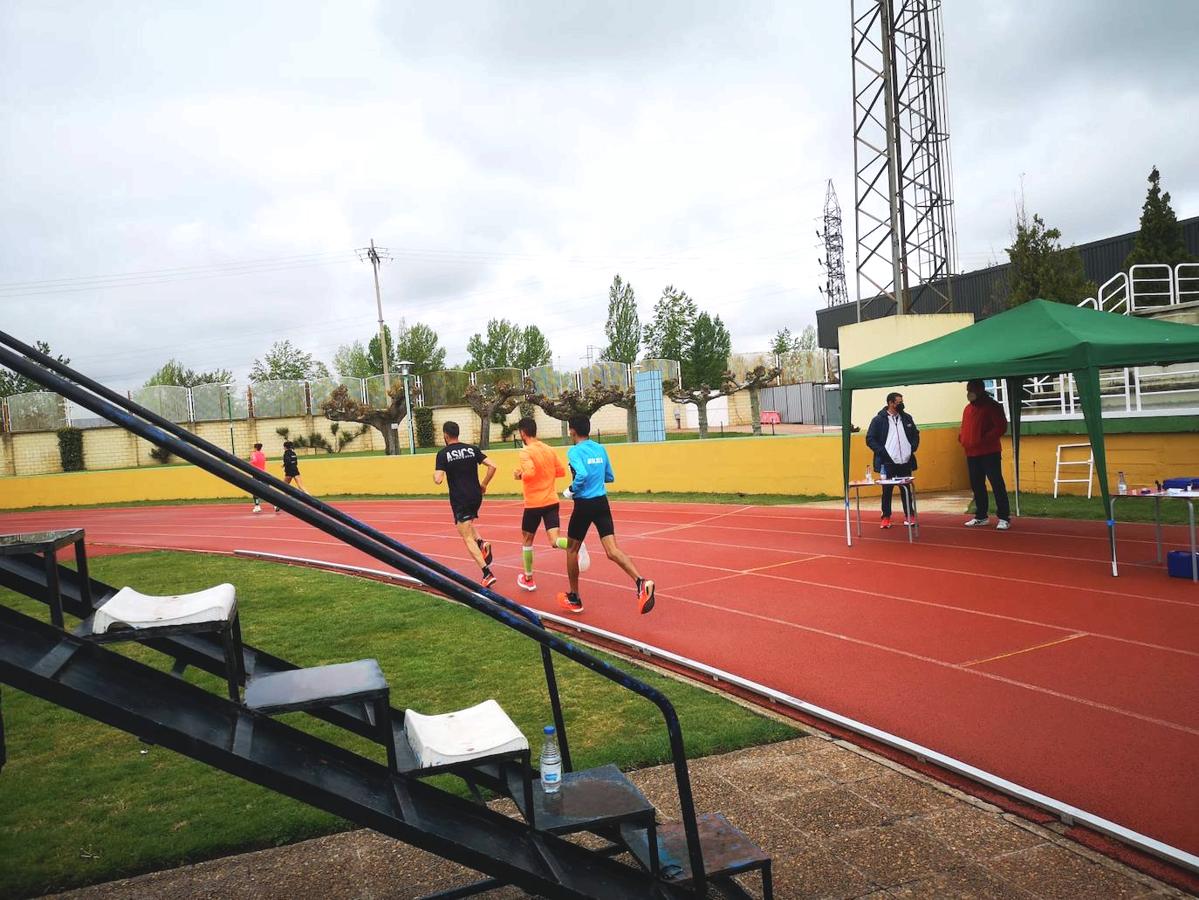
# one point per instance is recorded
(983, 424)
(894, 437)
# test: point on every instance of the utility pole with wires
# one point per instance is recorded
(375, 256)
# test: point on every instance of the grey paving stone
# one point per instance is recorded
(830, 811)
(893, 854)
(1057, 873)
(977, 833)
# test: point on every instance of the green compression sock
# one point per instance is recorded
(560, 543)
(527, 553)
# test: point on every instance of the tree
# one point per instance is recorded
(507, 345)
(707, 351)
(492, 401)
(807, 339)
(1041, 267)
(175, 373)
(284, 361)
(624, 325)
(1160, 238)
(341, 407)
(375, 355)
(783, 342)
(667, 335)
(705, 368)
(12, 383)
(420, 346)
(756, 379)
(580, 403)
(353, 361)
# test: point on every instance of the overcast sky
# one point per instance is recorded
(222, 162)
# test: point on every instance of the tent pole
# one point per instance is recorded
(1088, 392)
(1012, 389)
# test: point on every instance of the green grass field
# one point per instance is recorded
(81, 803)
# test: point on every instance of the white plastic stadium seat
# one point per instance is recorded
(458, 737)
(134, 610)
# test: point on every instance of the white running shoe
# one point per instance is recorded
(976, 522)
(1003, 525)
(257, 509)
(584, 558)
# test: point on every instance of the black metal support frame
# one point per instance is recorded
(146, 424)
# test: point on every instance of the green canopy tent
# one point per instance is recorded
(1034, 339)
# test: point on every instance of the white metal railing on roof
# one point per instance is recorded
(1144, 391)
(1147, 287)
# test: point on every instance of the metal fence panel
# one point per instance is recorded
(321, 389)
(279, 399)
(82, 417)
(496, 376)
(670, 368)
(37, 411)
(607, 373)
(445, 388)
(549, 381)
(218, 402)
(168, 400)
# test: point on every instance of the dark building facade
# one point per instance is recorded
(984, 292)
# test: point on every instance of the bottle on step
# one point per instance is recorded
(551, 762)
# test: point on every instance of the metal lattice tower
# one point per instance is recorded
(903, 195)
(834, 250)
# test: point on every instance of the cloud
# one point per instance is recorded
(514, 156)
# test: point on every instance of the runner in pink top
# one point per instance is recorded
(258, 461)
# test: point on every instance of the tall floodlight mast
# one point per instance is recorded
(834, 250)
(904, 225)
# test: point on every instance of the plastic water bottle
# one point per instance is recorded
(1121, 484)
(551, 762)
(882, 473)
(869, 479)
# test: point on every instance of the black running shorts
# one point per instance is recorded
(535, 516)
(592, 511)
(466, 512)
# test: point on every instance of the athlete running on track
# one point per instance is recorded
(592, 470)
(459, 464)
(539, 468)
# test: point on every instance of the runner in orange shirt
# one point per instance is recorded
(539, 468)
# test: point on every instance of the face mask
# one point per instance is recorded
(899, 407)
(971, 396)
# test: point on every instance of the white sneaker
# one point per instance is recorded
(975, 522)
(1003, 525)
(584, 558)
(257, 509)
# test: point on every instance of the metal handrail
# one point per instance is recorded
(406, 560)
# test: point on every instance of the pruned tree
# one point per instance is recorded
(490, 401)
(629, 404)
(756, 379)
(586, 402)
(700, 395)
(341, 407)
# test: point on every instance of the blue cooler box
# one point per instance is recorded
(1178, 563)
(1186, 484)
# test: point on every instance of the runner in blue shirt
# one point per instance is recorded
(591, 470)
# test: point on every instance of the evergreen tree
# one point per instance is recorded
(624, 325)
(1160, 238)
(175, 373)
(783, 342)
(1042, 268)
(707, 359)
(667, 336)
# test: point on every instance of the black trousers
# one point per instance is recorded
(984, 469)
(895, 470)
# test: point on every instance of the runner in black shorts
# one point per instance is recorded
(592, 471)
(539, 468)
(459, 464)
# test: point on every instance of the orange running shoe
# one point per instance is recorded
(885, 523)
(526, 582)
(645, 595)
(570, 602)
(488, 579)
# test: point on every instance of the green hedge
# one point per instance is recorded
(422, 417)
(70, 449)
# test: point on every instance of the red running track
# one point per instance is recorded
(1016, 652)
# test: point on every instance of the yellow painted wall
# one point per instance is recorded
(804, 464)
(1144, 458)
(928, 403)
